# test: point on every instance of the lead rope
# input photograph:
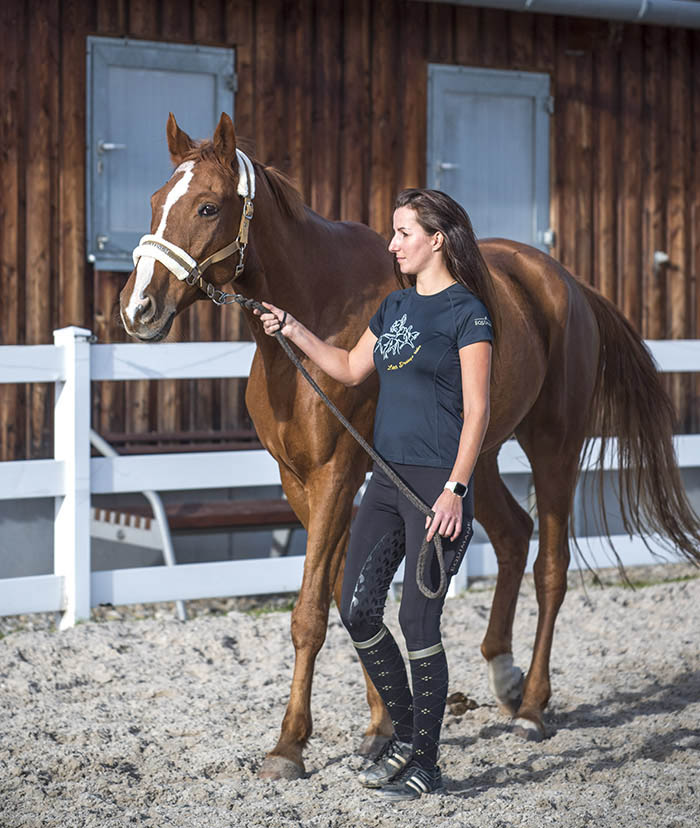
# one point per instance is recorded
(251, 304)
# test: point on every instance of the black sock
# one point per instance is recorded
(384, 663)
(429, 678)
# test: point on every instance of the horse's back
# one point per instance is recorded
(541, 281)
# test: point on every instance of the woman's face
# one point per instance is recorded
(414, 249)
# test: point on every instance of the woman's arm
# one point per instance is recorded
(475, 363)
(348, 367)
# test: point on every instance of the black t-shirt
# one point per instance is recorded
(419, 412)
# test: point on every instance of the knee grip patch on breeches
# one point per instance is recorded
(369, 594)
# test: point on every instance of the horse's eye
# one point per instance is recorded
(208, 210)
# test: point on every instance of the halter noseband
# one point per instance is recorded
(181, 264)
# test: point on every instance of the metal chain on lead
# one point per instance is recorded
(220, 297)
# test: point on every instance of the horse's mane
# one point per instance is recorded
(285, 194)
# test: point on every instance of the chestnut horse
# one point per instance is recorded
(566, 366)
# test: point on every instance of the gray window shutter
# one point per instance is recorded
(131, 88)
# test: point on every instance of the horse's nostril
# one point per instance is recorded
(144, 309)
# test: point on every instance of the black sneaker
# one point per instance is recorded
(412, 783)
(388, 764)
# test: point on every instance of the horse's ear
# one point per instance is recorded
(225, 139)
(179, 142)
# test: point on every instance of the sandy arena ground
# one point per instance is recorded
(152, 722)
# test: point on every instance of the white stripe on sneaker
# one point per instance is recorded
(417, 784)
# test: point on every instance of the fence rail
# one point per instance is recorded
(73, 363)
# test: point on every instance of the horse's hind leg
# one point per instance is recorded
(554, 464)
(509, 528)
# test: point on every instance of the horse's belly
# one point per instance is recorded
(516, 383)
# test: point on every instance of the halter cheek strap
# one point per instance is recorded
(179, 262)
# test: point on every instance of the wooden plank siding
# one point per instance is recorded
(694, 197)
(12, 226)
(334, 93)
(40, 173)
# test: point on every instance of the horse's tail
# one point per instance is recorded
(630, 403)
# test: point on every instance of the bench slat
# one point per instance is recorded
(226, 514)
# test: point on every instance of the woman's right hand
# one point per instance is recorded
(275, 320)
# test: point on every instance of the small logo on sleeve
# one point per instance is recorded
(483, 320)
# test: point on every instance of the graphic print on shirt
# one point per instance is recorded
(396, 339)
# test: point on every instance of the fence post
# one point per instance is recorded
(72, 446)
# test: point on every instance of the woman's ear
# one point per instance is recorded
(438, 241)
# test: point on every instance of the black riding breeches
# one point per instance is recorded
(387, 528)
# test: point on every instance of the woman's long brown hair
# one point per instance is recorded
(437, 212)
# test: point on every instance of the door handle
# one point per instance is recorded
(447, 165)
(109, 146)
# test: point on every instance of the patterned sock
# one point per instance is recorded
(382, 659)
(429, 677)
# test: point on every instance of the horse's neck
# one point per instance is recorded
(291, 261)
(331, 276)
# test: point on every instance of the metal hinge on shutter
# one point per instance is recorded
(549, 105)
(232, 82)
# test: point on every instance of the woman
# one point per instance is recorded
(430, 342)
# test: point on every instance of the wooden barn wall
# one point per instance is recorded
(334, 92)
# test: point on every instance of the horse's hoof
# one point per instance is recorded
(528, 730)
(277, 767)
(372, 744)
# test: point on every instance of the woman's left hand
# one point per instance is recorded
(448, 516)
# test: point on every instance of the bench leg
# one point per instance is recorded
(281, 543)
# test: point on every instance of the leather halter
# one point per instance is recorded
(180, 263)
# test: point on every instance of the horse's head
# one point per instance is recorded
(194, 219)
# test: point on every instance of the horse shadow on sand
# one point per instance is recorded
(655, 699)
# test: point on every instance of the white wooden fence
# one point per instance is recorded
(73, 363)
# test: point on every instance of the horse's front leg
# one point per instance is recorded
(330, 509)
(554, 486)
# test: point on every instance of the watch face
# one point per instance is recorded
(460, 489)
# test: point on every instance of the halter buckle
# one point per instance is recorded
(193, 276)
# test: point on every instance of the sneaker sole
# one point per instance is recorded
(373, 785)
(378, 783)
(390, 796)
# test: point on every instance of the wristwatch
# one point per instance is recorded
(456, 488)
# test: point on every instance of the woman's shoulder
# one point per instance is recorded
(399, 293)
(464, 301)
(389, 305)
(395, 297)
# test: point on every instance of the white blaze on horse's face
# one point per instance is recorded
(144, 269)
